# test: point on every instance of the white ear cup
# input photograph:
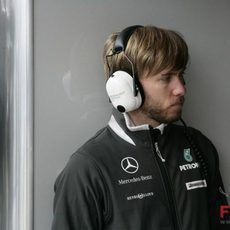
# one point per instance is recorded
(120, 90)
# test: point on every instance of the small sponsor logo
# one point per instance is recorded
(129, 165)
(187, 155)
(140, 196)
(135, 179)
(116, 96)
(189, 166)
(196, 184)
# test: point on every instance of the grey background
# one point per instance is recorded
(70, 100)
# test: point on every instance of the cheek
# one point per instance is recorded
(155, 95)
(152, 100)
(157, 102)
(149, 90)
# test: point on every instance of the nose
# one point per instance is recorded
(179, 88)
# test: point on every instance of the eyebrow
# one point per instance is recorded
(173, 71)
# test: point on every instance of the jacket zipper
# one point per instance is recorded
(167, 183)
(158, 152)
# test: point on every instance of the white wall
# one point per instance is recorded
(70, 100)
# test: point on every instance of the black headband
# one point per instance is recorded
(123, 37)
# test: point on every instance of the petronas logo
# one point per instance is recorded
(187, 155)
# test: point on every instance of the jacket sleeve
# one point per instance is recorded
(216, 197)
(80, 196)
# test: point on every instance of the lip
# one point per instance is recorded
(177, 106)
(179, 102)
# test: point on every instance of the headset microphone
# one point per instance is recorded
(122, 88)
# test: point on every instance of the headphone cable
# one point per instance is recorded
(198, 153)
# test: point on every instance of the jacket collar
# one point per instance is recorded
(122, 125)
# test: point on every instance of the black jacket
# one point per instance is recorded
(139, 180)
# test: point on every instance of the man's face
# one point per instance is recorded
(164, 96)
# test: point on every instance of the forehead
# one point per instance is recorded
(163, 72)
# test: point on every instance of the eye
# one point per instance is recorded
(166, 78)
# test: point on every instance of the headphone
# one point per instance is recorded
(124, 90)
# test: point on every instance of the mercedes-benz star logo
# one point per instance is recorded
(129, 165)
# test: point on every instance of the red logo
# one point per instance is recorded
(224, 211)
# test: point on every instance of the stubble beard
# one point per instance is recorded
(156, 113)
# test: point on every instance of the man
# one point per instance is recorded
(142, 172)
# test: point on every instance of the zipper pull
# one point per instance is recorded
(158, 152)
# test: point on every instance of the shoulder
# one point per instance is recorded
(198, 141)
(193, 133)
(201, 144)
(96, 142)
(203, 141)
(84, 164)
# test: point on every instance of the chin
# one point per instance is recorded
(174, 118)
(170, 118)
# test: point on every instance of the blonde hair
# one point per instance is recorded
(150, 49)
